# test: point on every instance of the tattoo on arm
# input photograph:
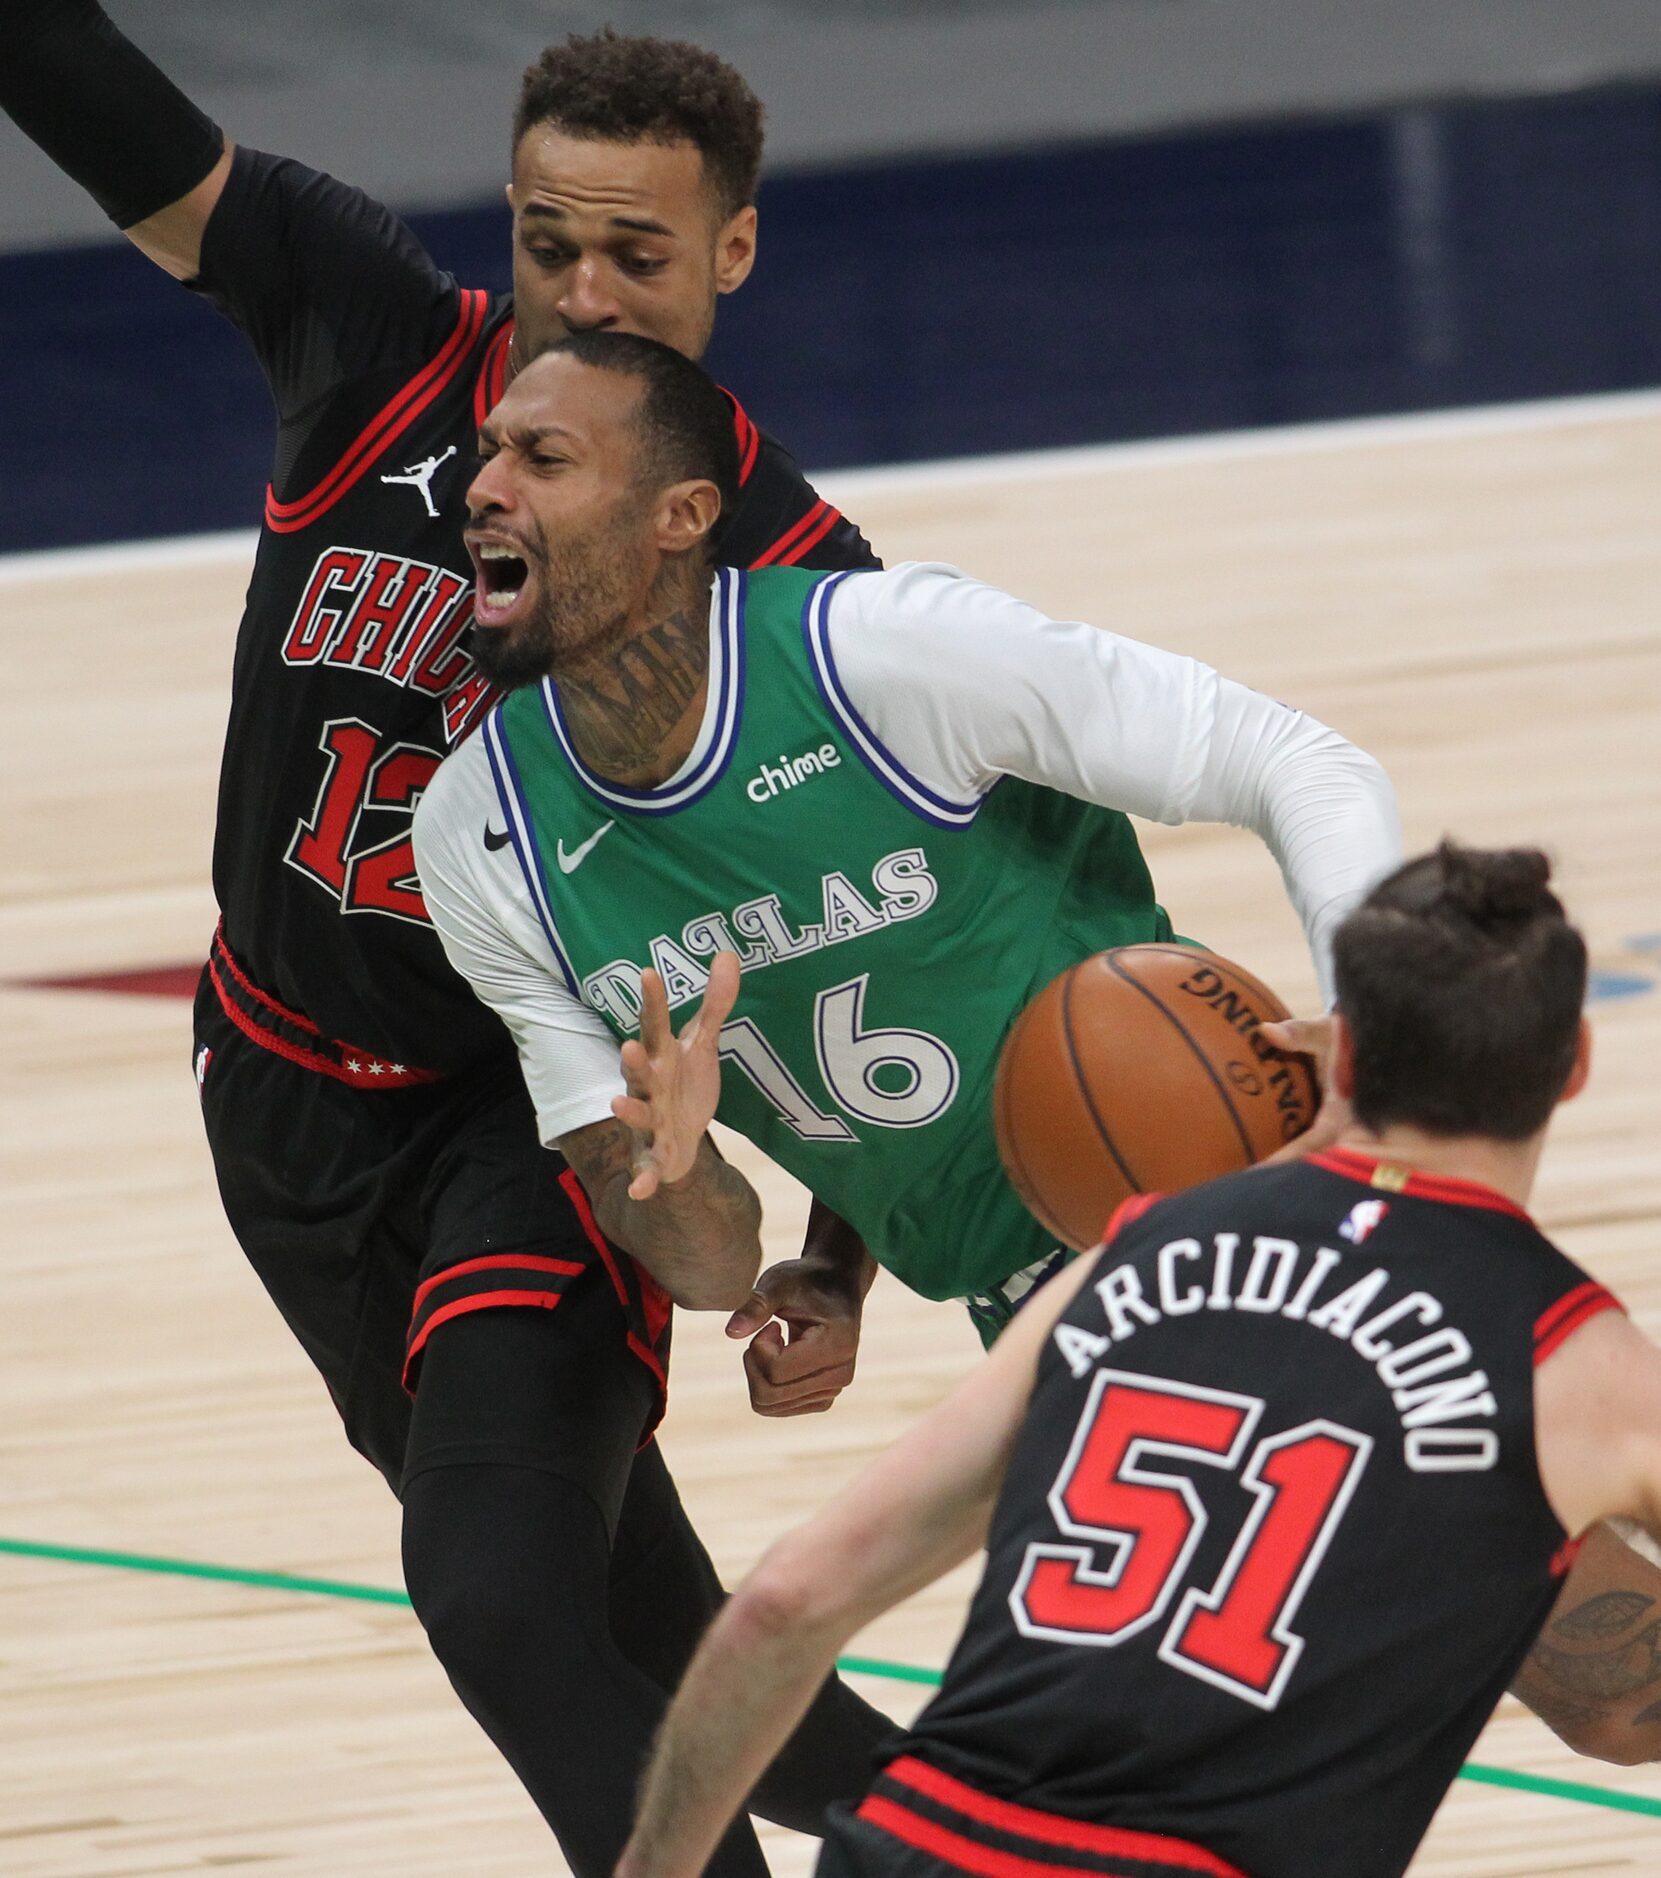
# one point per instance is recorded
(1606, 1615)
(700, 1238)
(1592, 1661)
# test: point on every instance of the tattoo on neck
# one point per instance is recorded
(624, 709)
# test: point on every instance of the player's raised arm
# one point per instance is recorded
(962, 684)
(326, 284)
(153, 162)
(920, 1509)
(657, 1184)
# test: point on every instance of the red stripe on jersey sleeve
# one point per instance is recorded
(810, 542)
(1126, 1212)
(388, 424)
(1554, 1314)
(792, 537)
(492, 379)
(1567, 1315)
(749, 438)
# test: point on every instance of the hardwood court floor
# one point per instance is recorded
(1474, 601)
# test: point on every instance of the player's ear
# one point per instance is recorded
(1341, 1065)
(735, 250)
(1582, 1064)
(687, 515)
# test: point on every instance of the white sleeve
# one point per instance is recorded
(960, 684)
(483, 911)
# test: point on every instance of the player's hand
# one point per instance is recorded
(1311, 1037)
(820, 1306)
(674, 1083)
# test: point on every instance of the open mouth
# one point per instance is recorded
(503, 579)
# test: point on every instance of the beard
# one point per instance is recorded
(583, 591)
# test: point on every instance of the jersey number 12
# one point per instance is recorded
(379, 877)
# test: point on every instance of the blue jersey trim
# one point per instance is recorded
(669, 798)
(877, 758)
(510, 792)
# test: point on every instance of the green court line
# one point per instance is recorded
(852, 1665)
(191, 1568)
(1561, 1789)
(895, 1672)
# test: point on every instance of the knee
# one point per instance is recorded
(461, 1602)
(499, 1594)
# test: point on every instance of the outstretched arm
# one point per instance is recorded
(657, 1185)
(962, 684)
(106, 116)
(653, 1177)
(1594, 1675)
(699, 1236)
(922, 1508)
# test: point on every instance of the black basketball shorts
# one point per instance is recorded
(374, 1215)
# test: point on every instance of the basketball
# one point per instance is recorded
(1141, 1070)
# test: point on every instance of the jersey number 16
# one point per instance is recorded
(889, 1078)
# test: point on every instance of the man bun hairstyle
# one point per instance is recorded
(1462, 981)
(615, 87)
(685, 417)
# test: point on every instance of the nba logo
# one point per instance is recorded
(1364, 1217)
(204, 1057)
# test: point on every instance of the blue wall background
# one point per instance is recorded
(1395, 261)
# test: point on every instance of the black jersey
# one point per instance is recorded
(1273, 1540)
(353, 675)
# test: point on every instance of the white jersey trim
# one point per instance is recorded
(510, 792)
(877, 757)
(717, 735)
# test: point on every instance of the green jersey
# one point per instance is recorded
(888, 935)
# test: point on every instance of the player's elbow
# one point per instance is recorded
(1371, 781)
(769, 1606)
(790, 1594)
(1325, 762)
(1620, 1743)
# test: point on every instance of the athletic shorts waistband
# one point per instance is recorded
(972, 1832)
(287, 1033)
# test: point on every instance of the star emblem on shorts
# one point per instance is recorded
(356, 1066)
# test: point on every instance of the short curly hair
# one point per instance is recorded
(623, 88)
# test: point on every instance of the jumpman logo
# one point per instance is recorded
(421, 476)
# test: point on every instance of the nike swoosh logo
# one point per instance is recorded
(493, 841)
(569, 863)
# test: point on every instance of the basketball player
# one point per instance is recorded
(376, 1153)
(1595, 1677)
(1276, 1490)
(897, 802)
